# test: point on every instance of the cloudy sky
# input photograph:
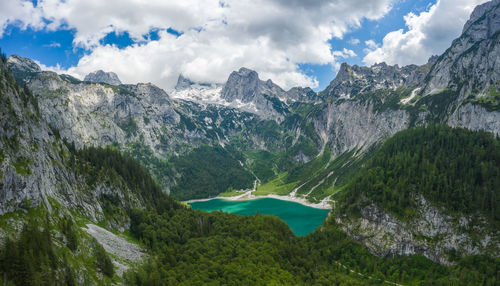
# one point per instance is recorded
(292, 42)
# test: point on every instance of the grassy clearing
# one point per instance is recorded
(231, 193)
(276, 186)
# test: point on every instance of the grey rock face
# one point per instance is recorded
(353, 80)
(252, 94)
(103, 77)
(351, 124)
(475, 117)
(472, 63)
(98, 115)
(432, 233)
(300, 94)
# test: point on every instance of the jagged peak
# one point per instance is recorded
(103, 77)
(23, 64)
(433, 59)
(183, 82)
(246, 71)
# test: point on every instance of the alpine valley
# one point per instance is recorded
(93, 174)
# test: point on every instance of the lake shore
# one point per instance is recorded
(248, 196)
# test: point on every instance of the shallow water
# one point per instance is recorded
(301, 219)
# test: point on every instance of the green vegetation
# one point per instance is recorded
(207, 171)
(384, 99)
(30, 259)
(98, 164)
(278, 105)
(451, 167)
(436, 105)
(129, 126)
(193, 248)
(491, 101)
(22, 166)
(231, 193)
(103, 262)
(278, 186)
(39, 255)
(68, 229)
(335, 176)
(318, 178)
(159, 168)
(261, 164)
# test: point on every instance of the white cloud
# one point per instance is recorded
(53, 45)
(271, 36)
(20, 13)
(370, 44)
(354, 41)
(345, 53)
(429, 33)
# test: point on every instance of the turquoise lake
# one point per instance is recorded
(301, 219)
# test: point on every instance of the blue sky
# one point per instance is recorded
(205, 40)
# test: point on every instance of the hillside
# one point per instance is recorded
(428, 190)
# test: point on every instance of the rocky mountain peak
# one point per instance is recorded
(103, 77)
(23, 64)
(492, 22)
(243, 85)
(477, 47)
(183, 83)
(352, 80)
(256, 96)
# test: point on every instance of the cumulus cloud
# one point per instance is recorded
(271, 36)
(429, 33)
(354, 41)
(345, 53)
(20, 13)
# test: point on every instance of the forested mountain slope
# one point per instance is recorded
(429, 190)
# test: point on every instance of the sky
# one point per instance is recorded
(291, 42)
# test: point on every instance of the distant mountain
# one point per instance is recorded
(103, 77)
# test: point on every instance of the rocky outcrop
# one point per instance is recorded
(431, 233)
(475, 117)
(23, 64)
(103, 77)
(201, 93)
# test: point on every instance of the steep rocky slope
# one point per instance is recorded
(36, 166)
(47, 185)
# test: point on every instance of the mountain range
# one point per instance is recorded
(300, 143)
